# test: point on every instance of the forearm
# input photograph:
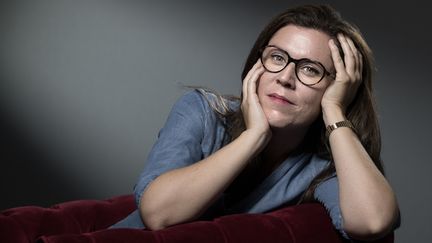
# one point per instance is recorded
(368, 204)
(183, 194)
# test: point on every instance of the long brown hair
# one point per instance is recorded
(361, 112)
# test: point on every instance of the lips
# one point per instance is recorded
(280, 99)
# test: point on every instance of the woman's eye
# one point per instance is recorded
(311, 70)
(277, 58)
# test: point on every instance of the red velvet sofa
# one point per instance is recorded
(86, 221)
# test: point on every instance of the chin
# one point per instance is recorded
(279, 123)
(278, 120)
(279, 126)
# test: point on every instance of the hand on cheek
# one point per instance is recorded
(253, 114)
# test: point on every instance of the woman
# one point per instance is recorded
(304, 129)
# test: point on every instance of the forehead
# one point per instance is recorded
(301, 42)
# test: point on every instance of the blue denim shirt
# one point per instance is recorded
(194, 131)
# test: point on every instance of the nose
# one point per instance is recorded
(287, 77)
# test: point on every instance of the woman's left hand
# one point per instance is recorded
(342, 90)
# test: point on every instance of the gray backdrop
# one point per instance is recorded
(86, 85)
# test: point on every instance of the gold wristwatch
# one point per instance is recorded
(336, 125)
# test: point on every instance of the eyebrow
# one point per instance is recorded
(290, 55)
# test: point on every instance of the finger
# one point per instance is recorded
(349, 58)
(337, 59)
(247, 79)
(244, 86)
(252, 86)
(352, 45)
(358, 58)
(249, 74)
(355, 52)
(359, 69)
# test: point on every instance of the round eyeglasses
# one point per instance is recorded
(307, 71)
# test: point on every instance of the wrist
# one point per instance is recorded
(334, 126)
(332, 114)
(257, 140)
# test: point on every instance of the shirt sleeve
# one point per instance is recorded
(327, 193)
(178, 143)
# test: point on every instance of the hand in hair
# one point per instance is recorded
(348, 77)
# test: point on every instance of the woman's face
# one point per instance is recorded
(285, 100)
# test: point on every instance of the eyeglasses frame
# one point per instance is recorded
(295, 61)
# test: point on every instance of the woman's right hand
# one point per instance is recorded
(255, 119)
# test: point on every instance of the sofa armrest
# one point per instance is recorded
(87, 221)
(26, 224)
(304, 223)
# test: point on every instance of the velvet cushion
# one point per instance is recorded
(291, 224)
(86, 221)
(25, 224)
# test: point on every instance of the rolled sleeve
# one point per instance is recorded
(327, 193)
(178, 143)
